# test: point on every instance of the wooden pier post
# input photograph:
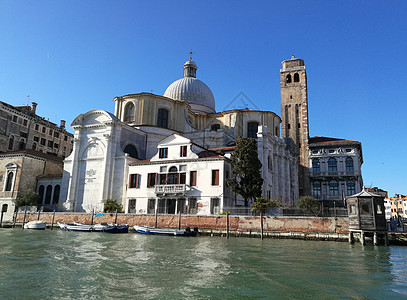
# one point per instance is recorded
(115, 217)
(362, 238)
(39, 212)
(25, 213)
(1, 219)
(14, 218)
(227, 224)
(91, 220)
(179, 221)
(351, 238)
(155, 217)
(375, 239)
(53, 218)
(261, 224)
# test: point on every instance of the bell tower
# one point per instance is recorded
(294, 114)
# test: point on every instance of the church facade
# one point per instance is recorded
(171, 153)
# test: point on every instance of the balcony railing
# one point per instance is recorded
(171, 189)
(339, 173)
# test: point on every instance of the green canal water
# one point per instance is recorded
(67, 265)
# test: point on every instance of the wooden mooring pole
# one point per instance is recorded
(25, 213)
(179, 221)
(155, 218)
(53, 218)
(115, 217)
(227, 225)
(91, 220)
(1, 219)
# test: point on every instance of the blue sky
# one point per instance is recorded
(74, 56)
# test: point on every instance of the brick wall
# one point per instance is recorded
(237, 223)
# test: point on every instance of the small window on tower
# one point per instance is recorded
(296, 77)
(288, 78)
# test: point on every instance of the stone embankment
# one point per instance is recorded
(310, 228)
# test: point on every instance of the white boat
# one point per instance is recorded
(166, 231)
(35, 225)
(102, 227)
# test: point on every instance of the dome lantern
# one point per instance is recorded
(190, 69)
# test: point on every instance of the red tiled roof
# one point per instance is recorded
(329, 140)
(223, 149)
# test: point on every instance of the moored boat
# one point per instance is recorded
(102, 227)
(166, 231)
(35, 225)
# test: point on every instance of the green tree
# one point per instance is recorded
(308, 205)
(27, 198)
(111, 205)
(246, 180)
(262, 205)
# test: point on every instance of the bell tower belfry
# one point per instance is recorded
(294, 114)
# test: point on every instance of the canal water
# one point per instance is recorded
(68, 265)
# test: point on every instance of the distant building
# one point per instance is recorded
(335, 170)
(377, 191)
(21, 128)
(396, 206)
(21, 170)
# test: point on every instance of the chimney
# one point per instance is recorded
(34, 107)
(62, 126)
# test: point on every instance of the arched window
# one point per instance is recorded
(349, 164)
(215, 127)
(9, 182)
(351, 188)
(129, 112)
(270, 163)
(48, 194)
(316, 165)
(11, 143)
(316, 188)
(21, 145)
(162, 118)
(55, 199)
(333, 188)
(4, 208)
(296, 77)
(131, 151)
(173, 175)
(252, 128)
(34, 146)
(41, 193)
(332, 165)
(288, 78)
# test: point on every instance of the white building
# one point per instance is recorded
(111, 149)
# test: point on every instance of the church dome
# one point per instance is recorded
(192, 90)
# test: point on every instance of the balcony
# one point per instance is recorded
(170, 189)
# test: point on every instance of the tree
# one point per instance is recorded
(308, 205)
(111, 205)
(261, 205)
(246, 180)
(27, 198)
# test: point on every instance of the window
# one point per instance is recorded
(333, 188)
(4, 208)
(349, 164)
(183, 151)
(34, 147)
(379, 209)
(348, 150)
(56, 134)
(9, 182)
(55, 199)
(134, 181)
(41, 193)
(192, 178)
(43, 129)
(131, 151)
(36, 138)
(48, 194)
(15, 119)
(316, 188)
(25, 122)
(50, 132)
(23, 134)
(182, 178)
(42, 142)
(163, 153)
(50, 144)
(365, 209)
(352, 209)
(56, 145)
(37, 127)
(192, 206)
(173, 175)
(215, 208)
(129, 112)
(296, 77)
(252, 128)
(66, 138)
(331, 151)
(288, 78)
(11, 143)
(316, 165)
(215, 177)
(132, 206)
(163, 178)
(21, 145)
(215, 127)
(151, 179)
(332, 165)
(162, 118)
(151, 206)
(270, 163)
(350, 188)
